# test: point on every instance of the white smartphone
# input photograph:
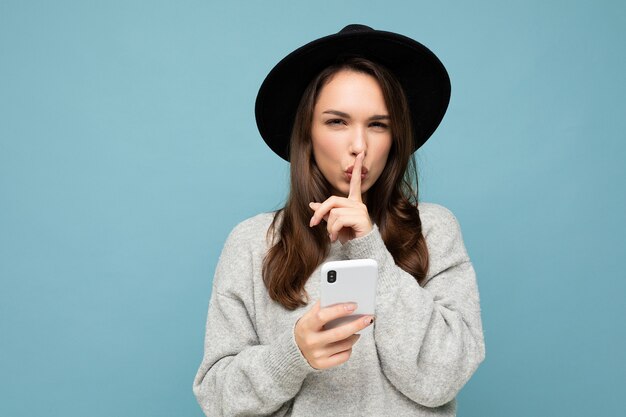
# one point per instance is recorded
(349, 281)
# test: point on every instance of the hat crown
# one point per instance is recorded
(421, 75)
(354, 28)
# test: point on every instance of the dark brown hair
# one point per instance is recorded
(297, 249)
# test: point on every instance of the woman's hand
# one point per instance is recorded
(327, 348)
(346, 218)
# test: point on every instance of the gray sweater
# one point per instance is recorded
(426, 342)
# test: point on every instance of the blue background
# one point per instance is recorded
(128, 151)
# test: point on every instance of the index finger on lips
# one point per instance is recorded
(355, 181)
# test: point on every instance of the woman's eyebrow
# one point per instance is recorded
(337, 113)
(347, 116)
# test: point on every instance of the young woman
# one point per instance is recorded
(348, 111)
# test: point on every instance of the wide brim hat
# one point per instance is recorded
(423, 77)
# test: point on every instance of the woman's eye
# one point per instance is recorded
(334, 122)
(379, 125)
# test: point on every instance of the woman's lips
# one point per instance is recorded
(349, 172)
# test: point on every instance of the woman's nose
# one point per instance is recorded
(359, 141)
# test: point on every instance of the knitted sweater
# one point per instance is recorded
(425, 345)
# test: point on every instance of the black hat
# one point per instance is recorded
(423, 78)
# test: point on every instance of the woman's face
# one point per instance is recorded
(350, 117)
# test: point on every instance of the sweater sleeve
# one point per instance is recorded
(239, 376)
(429, 340)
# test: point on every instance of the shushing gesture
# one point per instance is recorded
(346, 218)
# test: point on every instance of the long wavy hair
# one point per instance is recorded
(297, 249)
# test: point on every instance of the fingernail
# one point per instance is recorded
(368, 320)
(311, 222)
(350, 307)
